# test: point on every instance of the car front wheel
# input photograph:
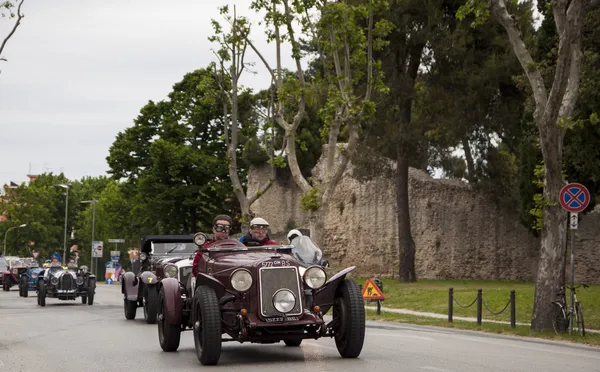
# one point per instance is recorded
(42, 293)
(349, 311)
(169, 335)
(207, 325)
(151, 305)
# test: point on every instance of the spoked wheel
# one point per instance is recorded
(42, 293)
(560, 321)
(349, 311)
(579, 317)
(207, 325)
(150, 305)
(168, 335)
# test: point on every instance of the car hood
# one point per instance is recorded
(249, 258)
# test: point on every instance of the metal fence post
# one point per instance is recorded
(479, 306)
(513, 310)
(450, 303)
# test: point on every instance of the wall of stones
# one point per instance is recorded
(459, 233)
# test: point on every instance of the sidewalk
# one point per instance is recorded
(445, 316)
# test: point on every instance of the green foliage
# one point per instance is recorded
(310, 202)
(478, 9)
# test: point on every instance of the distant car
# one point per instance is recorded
(3, 269)
(55, 281)
(10, 276)
(28, 280)
(259, 294)
(140, 285)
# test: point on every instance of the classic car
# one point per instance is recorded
(10, 276)
(259, 295)
(3, 268)
(28, 280)
(140, 285)
(56, 281)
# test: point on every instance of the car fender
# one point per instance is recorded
(148, 277)
(172, 301)
(130, 286)
(203, 279)
(325, 296)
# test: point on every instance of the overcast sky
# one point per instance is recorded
(78, 72)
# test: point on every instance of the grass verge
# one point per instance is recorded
(432, 296)
(589, 339)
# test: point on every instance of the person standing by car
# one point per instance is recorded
(221, 228)
(258, 233)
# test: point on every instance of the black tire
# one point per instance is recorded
(349, 309)
(580, 323)
(5, 286)
(90, 292)
(130, 308)
(151, 304)
(21, 287)
(207, 325)
(25, 287)
(293, 343)
(41, 293)
(83, 300)
(169, 335)
(560, 322)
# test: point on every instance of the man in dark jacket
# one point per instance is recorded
(221, 228)
(257, 236)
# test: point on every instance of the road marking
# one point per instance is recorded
(430, 368)
(401, 335)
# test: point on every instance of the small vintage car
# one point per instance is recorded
(28, 281)
(258, 295)
(10, 276)
(140, 285)
(56, 281)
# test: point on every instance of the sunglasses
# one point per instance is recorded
(221, 228)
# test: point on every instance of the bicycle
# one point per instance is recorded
(560, 323)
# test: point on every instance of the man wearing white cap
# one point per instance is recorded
(258, 233)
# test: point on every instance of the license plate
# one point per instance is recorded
(280, 319)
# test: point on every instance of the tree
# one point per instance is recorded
(345, 37)
(552, 108)
(227, 72)
(6, 11)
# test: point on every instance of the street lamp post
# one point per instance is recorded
(65, 186)
(93, 203)
(6, 234)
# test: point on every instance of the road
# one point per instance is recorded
(69, 336)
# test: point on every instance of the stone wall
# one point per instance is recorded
(458, 232)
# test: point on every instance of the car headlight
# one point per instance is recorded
(54, 280)
(315, 277)
(79, 280)
(284, 301)
(170, 271)
(34, 275)
(241, 280)
(15, 271)
(143, 256)
(199, 239)
(84, 269)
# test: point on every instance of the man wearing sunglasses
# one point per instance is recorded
(221, 228)
(257, 235)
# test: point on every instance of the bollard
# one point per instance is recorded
(479, 306)
(513, 310)
(450, 303)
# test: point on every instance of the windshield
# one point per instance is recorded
(3, 264)
(306, 250)
(173, 248)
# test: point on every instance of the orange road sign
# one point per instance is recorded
(371, 291)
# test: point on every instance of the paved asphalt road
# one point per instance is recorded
(68, 336)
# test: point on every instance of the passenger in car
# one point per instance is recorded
(221, 228)
(257, 236)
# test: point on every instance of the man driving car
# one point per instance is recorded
(258, 233)
(221, 229)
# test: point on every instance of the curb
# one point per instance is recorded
(445, 316)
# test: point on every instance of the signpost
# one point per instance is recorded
(574, 198)
(372, 292)
(96, 253)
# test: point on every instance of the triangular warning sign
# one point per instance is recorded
(371, 291)
(35, 254)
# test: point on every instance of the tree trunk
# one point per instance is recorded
(470, 163)
(551, 267)
(194, 220)
(406, 245)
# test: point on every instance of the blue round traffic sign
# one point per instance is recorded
(574, 197)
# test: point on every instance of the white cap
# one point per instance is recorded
(259, 221)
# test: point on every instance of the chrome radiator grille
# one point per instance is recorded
(66, 282)
(273, 279)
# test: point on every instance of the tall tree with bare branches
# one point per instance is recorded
(553, 106)
(7, 11)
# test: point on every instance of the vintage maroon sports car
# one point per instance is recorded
(12, 273)
(258, 295)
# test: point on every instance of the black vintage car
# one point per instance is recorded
(66, 283)
(140, 285)
(259, 295)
